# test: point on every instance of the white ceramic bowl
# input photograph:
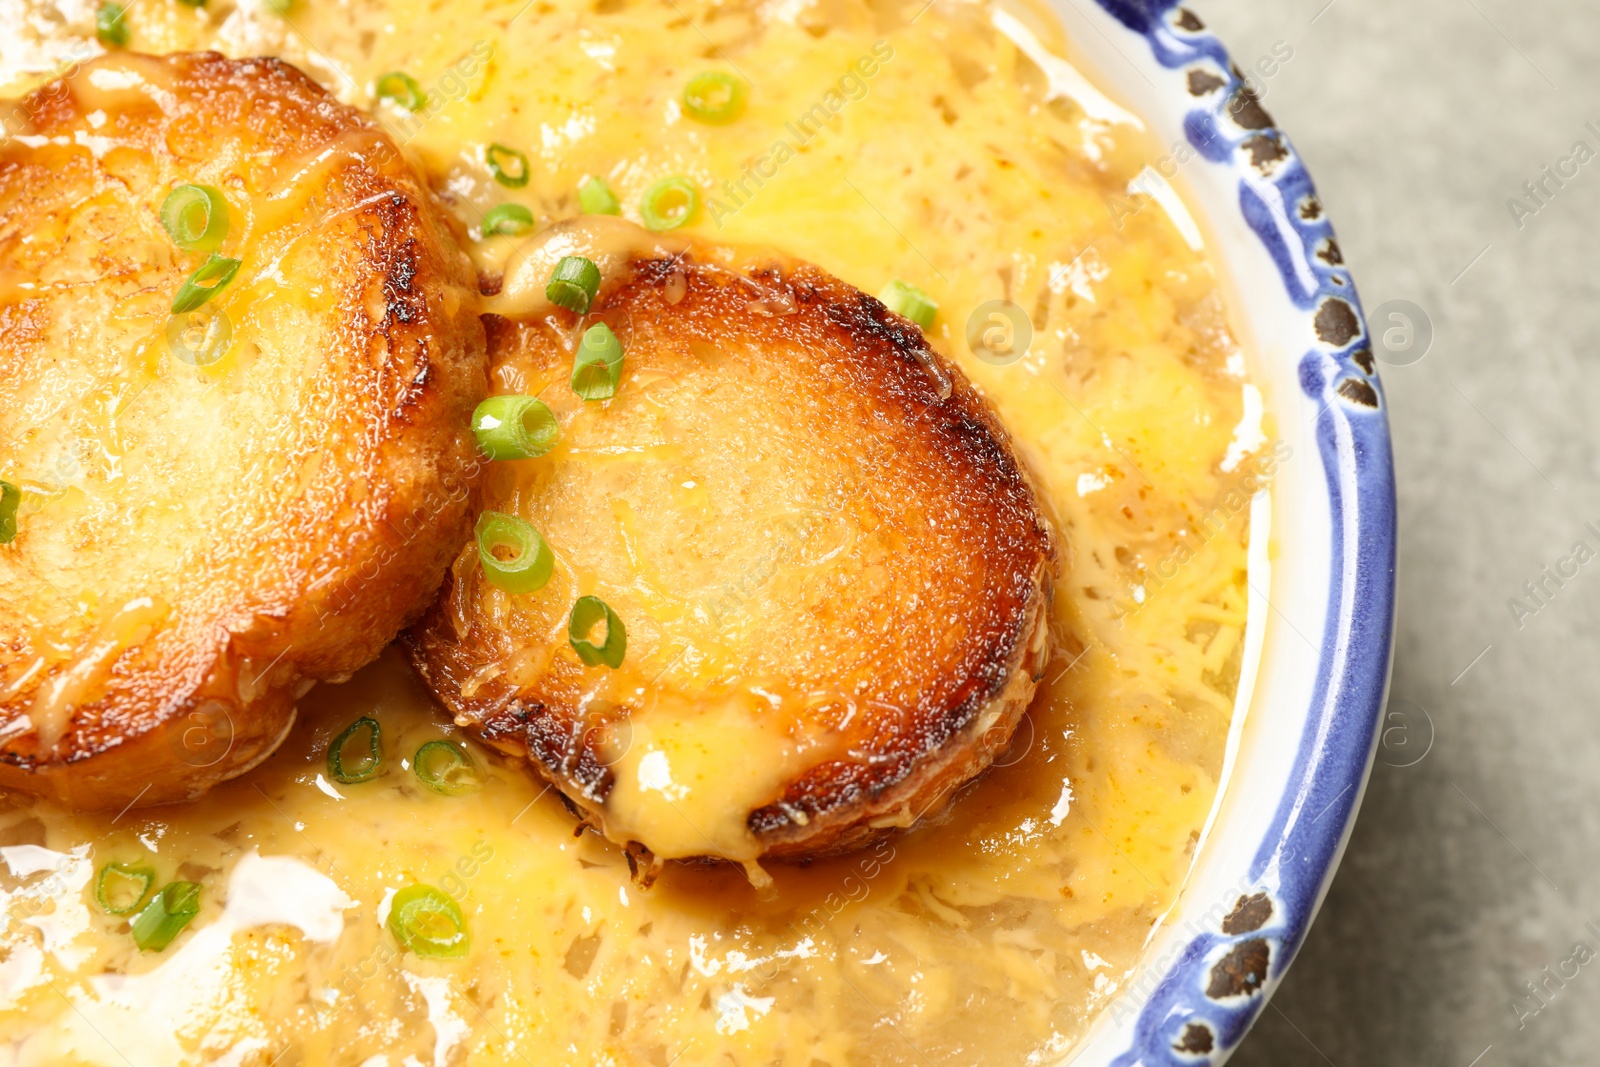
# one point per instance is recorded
(1321, 601)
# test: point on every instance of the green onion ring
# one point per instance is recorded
(369, 760)
(10, 501)
(907, 300)
(446, 768)
(115, 876)
(108, 25)
(427, 922)
(203, 284)
(164, 918)
(597, 369)
(508, 219)
(497, 155)
(588, 611)
(574, 283)
(714, 97)
(668, 204)
(514, 427)
(178, 211)
(596, 198)
(531, 563)
(400, 89)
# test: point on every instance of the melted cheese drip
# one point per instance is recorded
(609, 242)
(678, 788)
(979, 167)
(129, 628)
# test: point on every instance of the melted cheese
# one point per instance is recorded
(972, 161)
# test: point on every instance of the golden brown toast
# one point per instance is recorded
(833, 573)
(198, 540)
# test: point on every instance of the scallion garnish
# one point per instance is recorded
(597, 369)
(905, 299)
(193, 3)
(574, 283)
(164, 918)
(214, 274)
(356, 755)
(714, 97)
(514, 427)
(586, 613)
(10, 501)
(668, 204)
(509, 166)
(122, 887)
(199, 338)
(108, 25)
(427, 922)
(596, 198)
(527, 562)
(445, 768)
(401, 89)
(508, 219)
(195, 217)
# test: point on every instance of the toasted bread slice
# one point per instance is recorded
(832, 572)
(204, 528)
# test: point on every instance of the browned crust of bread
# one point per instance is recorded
(848, 805)
(333, 522)
(932, 419)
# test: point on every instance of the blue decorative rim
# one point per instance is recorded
(1202, 1007)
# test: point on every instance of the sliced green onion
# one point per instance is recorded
(364, 761)
(199, 338)
(164, 918)
(205, 283)
(596, 198)
(10, 501)
(528, 562)
(597, 369)
(195, 217)
(108, 25)
(668, 204)
(714, 97)
(122, 887)
(574, 283)
(445, 768)
(193, 3)
(507, 218)
(905, 299)
(588, 611)
(498, 156)
(401, 89)
(427, 922)
(514, 427)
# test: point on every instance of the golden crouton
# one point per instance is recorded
(222, 505)
(832, 572)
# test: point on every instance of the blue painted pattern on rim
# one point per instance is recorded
(1204, 1004)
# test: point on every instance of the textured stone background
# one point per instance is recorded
(1475, 869)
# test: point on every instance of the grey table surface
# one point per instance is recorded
(1458, 930)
